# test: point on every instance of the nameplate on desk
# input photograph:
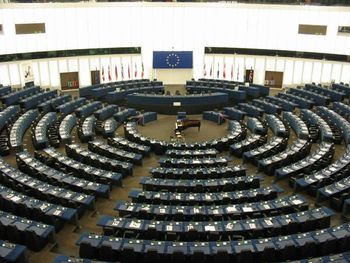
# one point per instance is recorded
(177, 103)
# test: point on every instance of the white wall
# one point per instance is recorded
(47, 71)
(296, 71)
(169, 26)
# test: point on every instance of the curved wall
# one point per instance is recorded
(171, 26)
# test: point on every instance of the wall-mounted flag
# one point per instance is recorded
(172, 59)
(218, 71)
(122, 72)
(109, 74)
(103, 74)
(224, 72)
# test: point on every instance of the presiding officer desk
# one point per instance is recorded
(192, 104)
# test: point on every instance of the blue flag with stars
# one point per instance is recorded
(172, 59)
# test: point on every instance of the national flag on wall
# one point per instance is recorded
(218, 72)
(231, 71)
(250, 77)
(116, 72)
(205, 72)
(135, 70)
(129, 76)
(143, 70)
(109, 74)
(122, 71)
(224, 72)
(103, 74)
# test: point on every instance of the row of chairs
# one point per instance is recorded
(277, 126)
(256, 126)
(33, 234)
(341, 108)
(200, 153)
(299, 222)
(120, 90)
(286, 105)
(272, 147)
(301, 102)
(16, 96)
(200, 185)
(234, 114)
(106, 112)
(236, 132)
(8, 115)
(86, 129)
(234, 94)
(52, 104)
(87, 91)
(297, 150)
(117, 95)
(297, 124)
(100, 147)
(4, 90)
(86, 110)
(208, 198)
(268, 107)
(11, 252)
(109, 128)
(60, 161)
(40, 128)
(33, 101)
(341, 88)
(213, 116)
(194, 162)
(289, 247)
(333, 94)
(250, 142)
(125, 144)
(123, 115)
(65, 128)
(19, 128)
(326, 133)
(284, 205)
(335, 119)
(85, 156)
(318, 99)
(31, 166)
(36, 209)
(251, 110)
(317, 160)
(15, 179)
(199, 172)
(70, 106)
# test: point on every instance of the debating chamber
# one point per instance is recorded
(176, 131)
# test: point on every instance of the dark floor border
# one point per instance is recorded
(273, 52)
(70, 53)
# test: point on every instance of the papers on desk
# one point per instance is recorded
(57, 213)
(209, 228)
(268, 222)
(297, 202)
(134, 224)
(247, 209)
(231, 209)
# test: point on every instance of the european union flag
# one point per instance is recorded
(172, 59)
